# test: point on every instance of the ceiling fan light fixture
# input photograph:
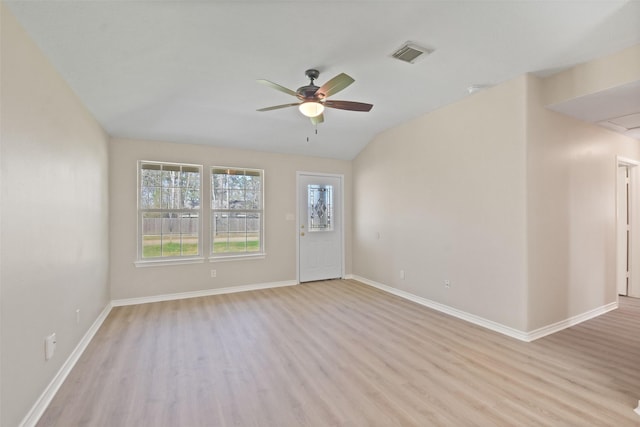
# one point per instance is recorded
(311, 108)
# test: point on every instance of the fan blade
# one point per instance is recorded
(276, 86)
(317, 119)
(335, 85)
(277, 107)
(348, 105)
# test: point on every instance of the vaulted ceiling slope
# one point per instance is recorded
(185, 71)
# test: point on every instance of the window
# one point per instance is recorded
(168, 211)
(236, 212)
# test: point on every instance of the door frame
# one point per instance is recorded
(341, 224)
(631, 165)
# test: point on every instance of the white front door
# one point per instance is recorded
(320, 227)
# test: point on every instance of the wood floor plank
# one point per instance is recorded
(340, 353)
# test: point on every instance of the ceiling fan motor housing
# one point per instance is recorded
(308, 92)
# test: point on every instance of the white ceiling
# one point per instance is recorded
(185, 71)
(616, 108)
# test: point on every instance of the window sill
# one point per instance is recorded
(224, 258)
(175, 261)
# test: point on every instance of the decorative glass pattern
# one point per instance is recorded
(320, 207)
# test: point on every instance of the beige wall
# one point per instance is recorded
(54, 223)
(129, 281)
(571, 197)
(446, 192)
(603, 73)
(513, 203)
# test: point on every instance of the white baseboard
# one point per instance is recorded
(489, 324)
(476, 320)
(202, 293)
(32, 417)
(572, 321)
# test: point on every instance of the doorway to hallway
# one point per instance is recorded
(628, 228)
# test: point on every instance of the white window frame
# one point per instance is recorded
(164, 260)
(234, 256)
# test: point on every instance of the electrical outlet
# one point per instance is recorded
(402, 274)
(77, 316)
(214, 273)
(447, 284)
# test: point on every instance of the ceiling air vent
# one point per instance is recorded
(411, 53)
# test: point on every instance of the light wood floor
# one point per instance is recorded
(340, 353)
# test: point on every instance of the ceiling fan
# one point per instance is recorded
(313, 99)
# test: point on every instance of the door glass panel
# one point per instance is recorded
(320, 207)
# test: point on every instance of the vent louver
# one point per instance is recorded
(411, 53)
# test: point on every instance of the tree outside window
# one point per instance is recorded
(236, 211)
(169, 210)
